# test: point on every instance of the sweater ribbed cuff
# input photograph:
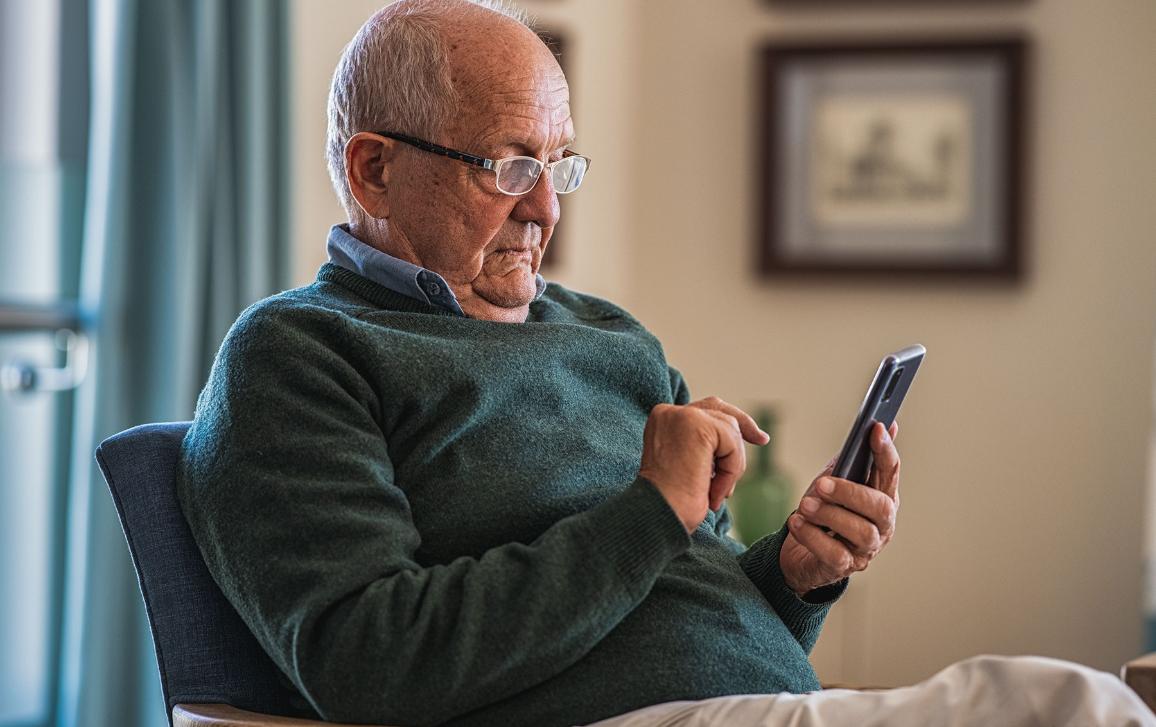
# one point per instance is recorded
(803, 616)
(639, 532)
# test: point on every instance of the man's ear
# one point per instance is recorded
(368, 167)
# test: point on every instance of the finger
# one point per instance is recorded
(894, 431)
(834, 558)
(877, 507)
(730, 458)
(860, 533)
(748, 427)
(885, 468)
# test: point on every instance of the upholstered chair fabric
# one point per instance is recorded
(204, 651)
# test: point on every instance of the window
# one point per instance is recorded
(43, 133)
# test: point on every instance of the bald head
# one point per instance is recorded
(418, 66)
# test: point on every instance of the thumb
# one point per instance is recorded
(830, 467)
(729, 462)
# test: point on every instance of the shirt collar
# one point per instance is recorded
(396, 274)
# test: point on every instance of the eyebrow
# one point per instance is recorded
(527, 151)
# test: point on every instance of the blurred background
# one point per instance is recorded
(161, 167)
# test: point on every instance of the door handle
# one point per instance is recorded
(22, 377)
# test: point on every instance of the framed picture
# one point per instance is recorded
(893, 159)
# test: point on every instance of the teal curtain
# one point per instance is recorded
(184, 227)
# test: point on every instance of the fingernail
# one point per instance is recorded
(809, 505)
(826, 487)
(795, 521)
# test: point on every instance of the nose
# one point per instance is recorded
(540, 204)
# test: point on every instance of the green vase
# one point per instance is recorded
(762, 498)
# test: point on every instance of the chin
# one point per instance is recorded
(518, 295)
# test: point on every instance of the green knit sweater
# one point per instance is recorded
(426, 518)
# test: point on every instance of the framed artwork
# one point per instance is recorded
(893, 159)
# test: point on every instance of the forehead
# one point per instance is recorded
(510, 94)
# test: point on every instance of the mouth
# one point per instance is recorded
(526, 242)
(510, 260)
(516, 253)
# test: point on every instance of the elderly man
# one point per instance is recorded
(439, 490)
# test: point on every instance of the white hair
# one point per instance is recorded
(394, 76)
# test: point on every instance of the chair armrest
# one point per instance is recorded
(222, 715)
(1140, 674)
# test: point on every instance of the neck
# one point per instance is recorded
(375, 234)
(483, 310)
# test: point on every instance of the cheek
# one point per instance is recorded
(473, 230)
(488, 221)
(458, 221)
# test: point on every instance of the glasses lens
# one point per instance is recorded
(518, 175)
(568, 174)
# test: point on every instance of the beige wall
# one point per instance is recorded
(1024, 441)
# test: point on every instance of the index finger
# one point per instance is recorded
(748, 427)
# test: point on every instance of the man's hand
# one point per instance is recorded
(860, 521)
(694, 454)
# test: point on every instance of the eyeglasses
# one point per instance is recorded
(517, 175)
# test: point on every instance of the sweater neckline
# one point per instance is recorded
(379, 295)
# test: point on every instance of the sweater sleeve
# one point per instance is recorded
(803, 616)
(760, 562)
(287, 484)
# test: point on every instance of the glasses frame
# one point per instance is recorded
(493, 165)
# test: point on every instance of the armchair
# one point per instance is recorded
(213, 672)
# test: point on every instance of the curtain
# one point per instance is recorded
(184, 227)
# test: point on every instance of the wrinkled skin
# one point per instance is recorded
(447, 216)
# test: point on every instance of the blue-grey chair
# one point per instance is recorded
(213, 672)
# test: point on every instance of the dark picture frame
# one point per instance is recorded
(893, 158)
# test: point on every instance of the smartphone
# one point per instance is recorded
(884, 396)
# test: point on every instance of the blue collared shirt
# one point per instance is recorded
(396, 274)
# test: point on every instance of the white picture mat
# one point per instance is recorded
(824, 104)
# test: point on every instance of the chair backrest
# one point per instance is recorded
(204, 651)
